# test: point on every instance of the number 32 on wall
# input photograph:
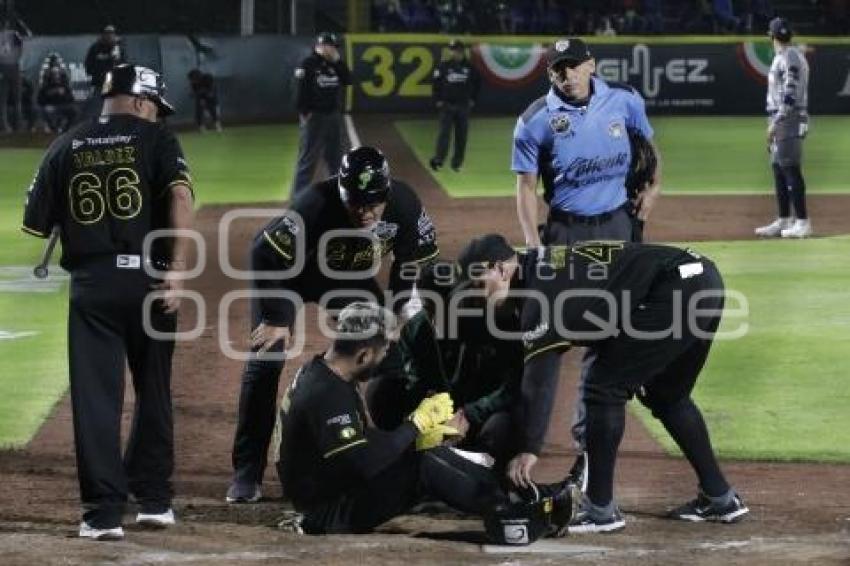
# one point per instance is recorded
(383, 83)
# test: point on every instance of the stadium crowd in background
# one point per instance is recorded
(588, 17)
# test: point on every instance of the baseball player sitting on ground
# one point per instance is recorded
(346, 476)
(381, 216)
(482, 373)
(638, 304)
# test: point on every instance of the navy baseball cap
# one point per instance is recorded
(780, 29)
(327, 38)
(135, 80)
(483, 251)
(572, 49)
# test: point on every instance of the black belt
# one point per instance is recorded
(594, 220)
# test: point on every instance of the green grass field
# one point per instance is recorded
(700, 155)
(779, 393)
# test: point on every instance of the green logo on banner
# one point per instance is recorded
(510, 63)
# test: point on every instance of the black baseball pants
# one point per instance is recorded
(561, 229)
(453, 117)
(320, 137)
(105, 328)
(438, 473)
(662, 371)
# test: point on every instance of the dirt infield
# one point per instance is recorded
(800, 512)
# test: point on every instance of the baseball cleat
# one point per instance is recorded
(94, 533)
(800, 229)
(775, 228)
(243, 493)
(156, 520)
(434, 164)
(584, 522)
(578, 473)
(703, 509)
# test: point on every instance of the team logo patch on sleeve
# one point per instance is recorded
(616, 129)
(559, 123)
(348, 433)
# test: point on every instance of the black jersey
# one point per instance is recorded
(326, 447)
(106, 184)
(456, 82)
(585, 289)
(405, 229)
(320, 84)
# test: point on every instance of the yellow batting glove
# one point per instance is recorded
(433, 437)
(432, 411)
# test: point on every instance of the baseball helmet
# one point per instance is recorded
(135, 80)
(780, 29)
(364, 177)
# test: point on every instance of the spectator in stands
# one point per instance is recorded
(386, 15)
(206, 99)
(756, 15)
(724, 17)
(653, 16)
(56, 99)
(11, 48)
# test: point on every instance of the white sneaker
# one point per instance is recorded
(775, 228)
(156, 520)
(800, 229)
(87, 531)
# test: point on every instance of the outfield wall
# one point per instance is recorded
(675, 75)
(392, 72)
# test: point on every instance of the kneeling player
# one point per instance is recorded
(665, 304)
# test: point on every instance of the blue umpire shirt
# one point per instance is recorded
(581, 153)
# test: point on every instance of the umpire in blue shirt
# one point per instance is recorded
(575, 139)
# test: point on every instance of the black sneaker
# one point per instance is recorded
(582, 522)
(240, 492)
(434, 164)
(578, 473)
(703, 509)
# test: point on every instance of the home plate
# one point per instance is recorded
(546, 547)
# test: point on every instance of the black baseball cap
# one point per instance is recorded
(456, 45)
(570, 49)
(135, 80)
(780, 29)
(483, 250)
(327, 38)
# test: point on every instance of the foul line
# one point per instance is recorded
(353, 138)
